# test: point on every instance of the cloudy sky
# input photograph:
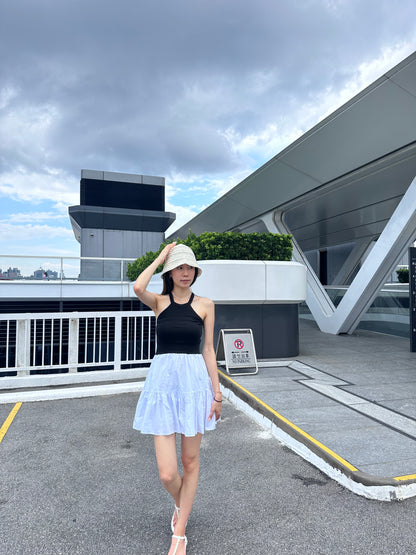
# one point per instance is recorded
(201, 92)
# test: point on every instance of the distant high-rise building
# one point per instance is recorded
(13, 273)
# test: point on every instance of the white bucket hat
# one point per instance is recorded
(180, 254)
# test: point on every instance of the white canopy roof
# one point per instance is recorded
(340, 181)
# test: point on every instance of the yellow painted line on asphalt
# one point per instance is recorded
(403, 478)
(9, 420)
(293, 426)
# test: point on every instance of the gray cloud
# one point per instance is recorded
(153, 87)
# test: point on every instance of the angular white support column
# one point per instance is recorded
(317, 299)
(399, 232)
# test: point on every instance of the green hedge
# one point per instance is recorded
(225, 246)
(403, 275)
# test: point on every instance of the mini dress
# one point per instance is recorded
(177, 394)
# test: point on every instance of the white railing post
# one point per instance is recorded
(23, 347)
(73, 333)
(117, 341)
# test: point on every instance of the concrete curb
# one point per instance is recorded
(329, 462)
(70, 392)
(48, 380)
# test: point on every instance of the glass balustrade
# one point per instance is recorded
(50, 268)
(388, 313)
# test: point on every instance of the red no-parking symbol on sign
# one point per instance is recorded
(238, 343)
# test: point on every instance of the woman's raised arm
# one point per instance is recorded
(141, 283)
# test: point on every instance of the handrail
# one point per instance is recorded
(75, 341)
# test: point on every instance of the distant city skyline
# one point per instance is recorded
(15, 273)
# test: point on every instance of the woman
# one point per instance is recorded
(182, 392)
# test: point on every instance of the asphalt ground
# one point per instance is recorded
(75, 478)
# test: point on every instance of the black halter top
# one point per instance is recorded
(179, 329)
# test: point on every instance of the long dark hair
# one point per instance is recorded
(168, 282)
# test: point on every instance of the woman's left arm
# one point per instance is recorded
(210, 359)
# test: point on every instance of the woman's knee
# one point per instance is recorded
(167, 475)
(190, 463)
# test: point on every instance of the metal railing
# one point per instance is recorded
(75, 342)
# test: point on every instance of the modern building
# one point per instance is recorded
(345, 190)
(120, 216)
(45, 274)
(10, 273)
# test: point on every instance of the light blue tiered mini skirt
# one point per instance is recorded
(176, 397)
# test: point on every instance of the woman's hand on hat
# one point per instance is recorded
(164, 253)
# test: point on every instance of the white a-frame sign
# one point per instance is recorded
(236, 349)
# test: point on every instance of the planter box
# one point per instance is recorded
(252, 281)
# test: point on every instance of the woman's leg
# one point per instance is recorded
(183, 490)
(165, 448)
(190, 463)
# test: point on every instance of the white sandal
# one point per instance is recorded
(178, 539)
(172, 525)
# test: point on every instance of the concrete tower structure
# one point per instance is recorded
(120, 216)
